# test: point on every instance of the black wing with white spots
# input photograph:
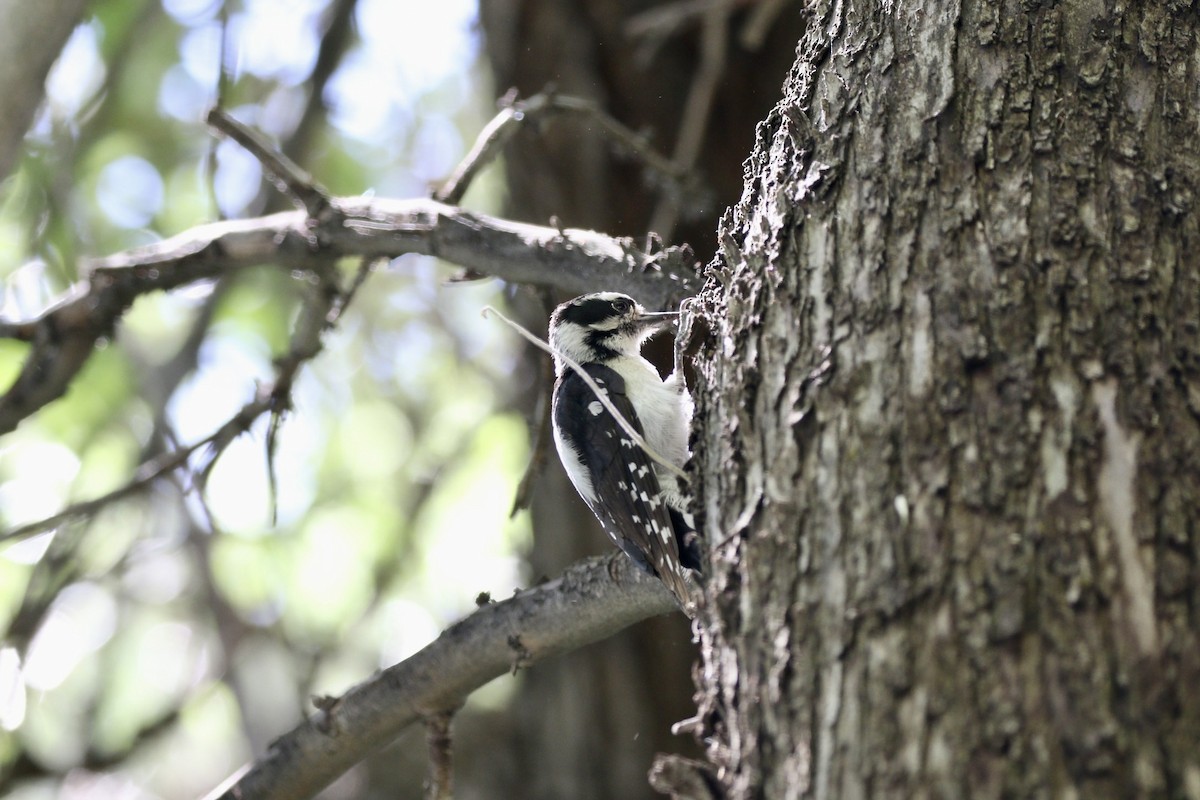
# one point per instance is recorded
(625, 494)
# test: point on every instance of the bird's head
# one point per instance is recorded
(602, 326)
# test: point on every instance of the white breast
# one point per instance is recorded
(664, 408)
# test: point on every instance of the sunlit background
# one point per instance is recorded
(178, 609)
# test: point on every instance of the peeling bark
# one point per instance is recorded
(949, 412)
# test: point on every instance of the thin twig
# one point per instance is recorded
(272, 477)
(663, 21)
(224, 71)
(365, 267)
(149, 472)
(488, 144)
(221, 93)
(306, 343)
(601, 395)
(337, 37)
(755, 31)
(317, 316)
(693, 126)
(491, 140)
(287, 176)
(320, 312)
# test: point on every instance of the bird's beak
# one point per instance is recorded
(657, 320)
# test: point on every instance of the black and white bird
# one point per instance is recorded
(640, 504)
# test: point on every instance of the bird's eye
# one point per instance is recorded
(621, 306)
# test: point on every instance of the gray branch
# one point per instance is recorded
(572, 260)
(591, 601)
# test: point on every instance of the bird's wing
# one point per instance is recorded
(626, 496)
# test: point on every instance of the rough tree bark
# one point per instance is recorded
(950, 408)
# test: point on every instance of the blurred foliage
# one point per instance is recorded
(153, 647)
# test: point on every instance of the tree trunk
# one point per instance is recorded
(949, 412)
(590, 723)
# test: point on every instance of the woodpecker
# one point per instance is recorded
(640, 504)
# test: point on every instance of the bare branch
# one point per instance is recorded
(488, 144)
(693, 128)
(591, 601)
(664, 21)
(754, 33)
(337, 38)
(365, 267)
(317, 314)
(149, 472)
(491, 140)
(286, 174)
(572, 260)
